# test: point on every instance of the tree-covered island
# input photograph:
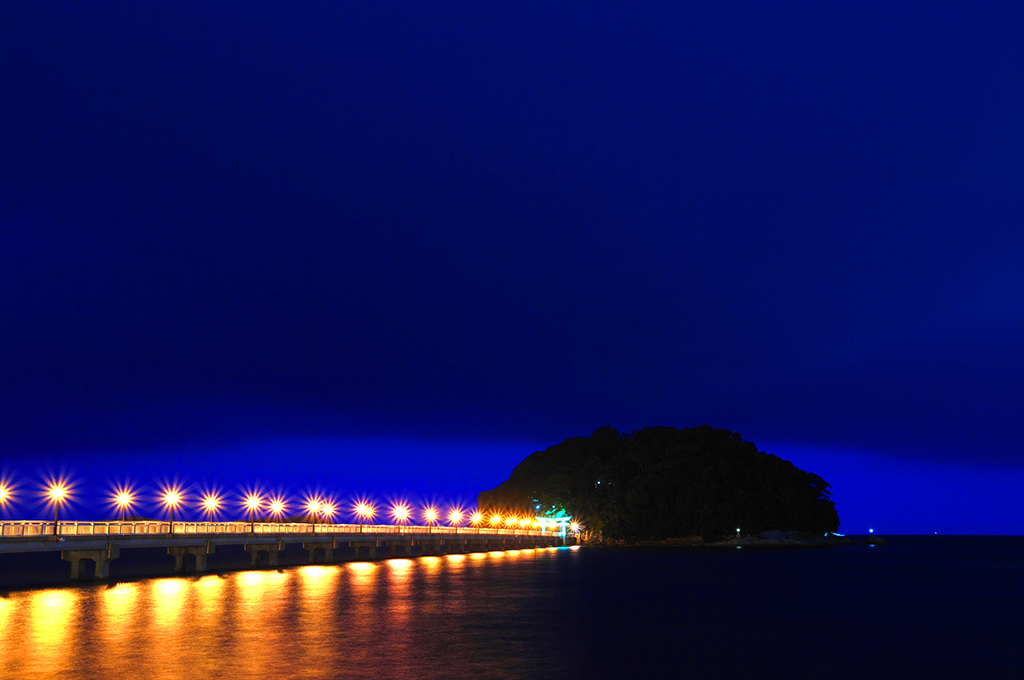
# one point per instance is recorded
(661, 482)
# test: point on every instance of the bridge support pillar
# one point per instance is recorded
(273, 551)
(327, 547)
(400, 548)
(369, 546)
(201, 552)
(101, 558)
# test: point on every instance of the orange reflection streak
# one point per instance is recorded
(118, 607)
(399, 603)
(402, 567)
(363, 570)
(115, 627)
(260, 598)
(317, 583)
(431, 564)
(52, 615)
(366, 616)
(456, 563)
(167, 602)
(211, 594)
(8, 640)
(318, 594)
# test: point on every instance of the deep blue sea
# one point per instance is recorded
(919, 607)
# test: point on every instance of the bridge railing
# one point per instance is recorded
(136, 528)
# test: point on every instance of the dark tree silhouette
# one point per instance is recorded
(662, 482)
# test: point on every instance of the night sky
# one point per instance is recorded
(391, 249)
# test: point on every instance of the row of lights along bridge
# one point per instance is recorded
(316, 507)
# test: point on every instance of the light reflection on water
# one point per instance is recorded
(399, 616)
(944, 610)
(50, 616)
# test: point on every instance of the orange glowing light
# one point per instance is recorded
(476, 518)
(510, 520)
(400, 512)
(430, 514)
(574, 527)
(455, 517)
(365, 510)
(523, 522)
(495, 520)
(253, 502)
(313, 505)
(57, 493)
(123, 499)
(211, 503)
(171, 497)
(5, 494)
(327, 509)
(277, 506)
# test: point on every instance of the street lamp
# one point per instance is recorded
(211, 504)
(123, 499)
(252, 503)
(365, 511)
(400, 513)
(455, 517)
(171, 499)
(328, 510)
(430, 515)
(313, 506)
(58, 494)
(476, 518)
(5, 494)
(495, 520)
(277, 508)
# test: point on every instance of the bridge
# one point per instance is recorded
(93, 545)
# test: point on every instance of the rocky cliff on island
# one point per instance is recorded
(661, 482)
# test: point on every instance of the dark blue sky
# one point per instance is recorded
(395, 249)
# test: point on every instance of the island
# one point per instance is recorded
(668, 485)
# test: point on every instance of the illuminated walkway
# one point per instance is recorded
(95, 544)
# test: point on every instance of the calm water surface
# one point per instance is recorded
(919, 607)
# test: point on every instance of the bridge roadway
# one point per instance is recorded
(97, 543)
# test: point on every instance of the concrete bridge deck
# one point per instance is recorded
(98, 543)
